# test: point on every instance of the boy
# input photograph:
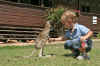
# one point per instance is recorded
(78, 36)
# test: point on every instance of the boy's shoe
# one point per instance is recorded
(83, 57)
(80, 57)
(86, 56)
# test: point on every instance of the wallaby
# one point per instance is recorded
(41, 40)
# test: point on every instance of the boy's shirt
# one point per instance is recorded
(79, 30)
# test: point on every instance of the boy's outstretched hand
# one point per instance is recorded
(88, 35)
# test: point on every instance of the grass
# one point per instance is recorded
(8, 56)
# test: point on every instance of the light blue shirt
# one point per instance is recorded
(79, 30)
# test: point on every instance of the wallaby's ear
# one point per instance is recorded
(49, 22)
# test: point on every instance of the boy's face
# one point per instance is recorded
(68, 23)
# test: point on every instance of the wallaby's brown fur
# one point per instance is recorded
(41, 40)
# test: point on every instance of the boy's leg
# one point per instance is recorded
(85, 48)
(76, 45)
(69, 45)
(76, 53)
(89, 45)
(88, 48)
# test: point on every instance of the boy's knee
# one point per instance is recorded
(68, 44)
(76, 46)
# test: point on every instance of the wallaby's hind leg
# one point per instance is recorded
(41, 39)
(40, 53)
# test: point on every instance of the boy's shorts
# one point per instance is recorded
(76, 44)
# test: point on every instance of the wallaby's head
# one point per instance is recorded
(48, 24)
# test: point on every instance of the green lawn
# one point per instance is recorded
(9, 56)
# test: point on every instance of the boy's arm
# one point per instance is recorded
(61, 38)
(86, 32)
(88, 35)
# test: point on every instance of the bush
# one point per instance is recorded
(55, 18)
(98, 35)
(55, 15)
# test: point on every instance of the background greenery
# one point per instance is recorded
(54, 15)
(9, 56)
(98, 35)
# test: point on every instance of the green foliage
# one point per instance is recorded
(98, 35)
(55, 15)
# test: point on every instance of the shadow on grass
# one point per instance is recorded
(68, 55)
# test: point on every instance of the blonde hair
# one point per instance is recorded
(69, 14)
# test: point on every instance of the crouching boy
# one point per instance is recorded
(78, 36)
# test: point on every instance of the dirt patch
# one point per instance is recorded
(27, 43)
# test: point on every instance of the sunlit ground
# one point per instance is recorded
(9, 56)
